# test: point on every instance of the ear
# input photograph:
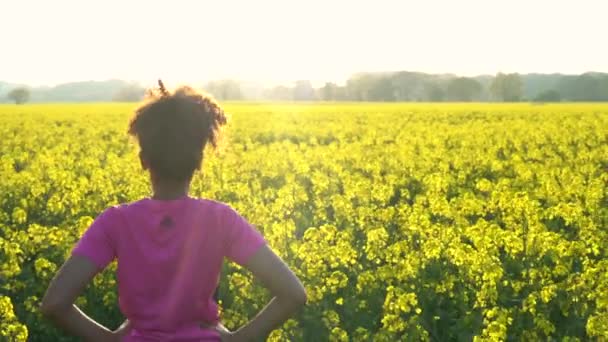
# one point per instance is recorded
(142, 160)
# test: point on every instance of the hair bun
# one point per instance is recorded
(161, 88)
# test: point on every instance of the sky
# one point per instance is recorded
(50, 42)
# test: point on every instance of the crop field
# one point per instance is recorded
(413, 222)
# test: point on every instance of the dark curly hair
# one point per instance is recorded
(173, 128)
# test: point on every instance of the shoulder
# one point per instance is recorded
(213, 205)
(112, 212)
(120, 213)
(220, 210)
(109, 219)
(119, 210)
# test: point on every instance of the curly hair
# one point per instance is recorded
(173, 128)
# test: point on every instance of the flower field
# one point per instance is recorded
(413, 222)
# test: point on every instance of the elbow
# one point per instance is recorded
(50, 308)
(300, 298)
(294, 299)
(47, 309)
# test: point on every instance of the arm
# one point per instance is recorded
(287, 290)
(58, 302)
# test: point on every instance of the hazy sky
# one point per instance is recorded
(47, 42)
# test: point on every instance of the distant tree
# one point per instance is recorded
(129, 93)
(19, 95)
(408, 86)
(548, 96)
(279, 93)
(604, 87)
(463, 89)
(585, 87)
(341, 94)
(434, 92)
(358, 87)
(329, 92)
(507, 87)
(87, 91)
(225, 89)
(303, 91)
(382, 90)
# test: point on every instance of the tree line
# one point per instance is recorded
(420, 87)
(386, 87)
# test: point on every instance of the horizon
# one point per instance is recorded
(287, 83)
(284, 42)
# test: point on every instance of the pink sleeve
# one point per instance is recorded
(242, 238)
(96, 243)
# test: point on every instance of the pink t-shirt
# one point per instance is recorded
(169, 254)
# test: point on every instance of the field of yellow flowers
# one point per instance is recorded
(404, 221)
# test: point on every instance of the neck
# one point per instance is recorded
(168, 190)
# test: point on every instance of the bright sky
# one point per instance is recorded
(48, 42)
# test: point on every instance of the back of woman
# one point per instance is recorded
(170, 247)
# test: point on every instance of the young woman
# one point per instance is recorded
(170, 247)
